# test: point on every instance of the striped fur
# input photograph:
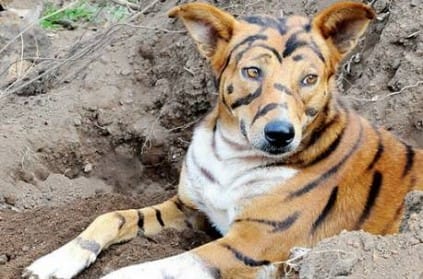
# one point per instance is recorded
(335, 172)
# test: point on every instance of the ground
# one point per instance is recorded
(97, 117)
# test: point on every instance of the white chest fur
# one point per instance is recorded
(223, 173)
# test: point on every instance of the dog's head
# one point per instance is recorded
(273, 73)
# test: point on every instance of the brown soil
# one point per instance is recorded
(107, 129)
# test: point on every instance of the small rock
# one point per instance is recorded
(42, 173)
(344, 267)
(146, 52)
(25, 248)
(88, 168)
(10, 199)
(125, 72)
(3, 259)
(77, 122)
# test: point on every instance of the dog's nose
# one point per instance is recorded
(279, 133)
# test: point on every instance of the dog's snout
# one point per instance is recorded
(279, 133)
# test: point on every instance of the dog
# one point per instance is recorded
(280, 161)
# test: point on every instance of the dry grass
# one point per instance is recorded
(45, 71)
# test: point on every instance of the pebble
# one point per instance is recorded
(3, 259)
(77, 122)
(88, 168)
(10, 199)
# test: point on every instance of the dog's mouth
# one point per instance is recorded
(272, 150)
(277, 138)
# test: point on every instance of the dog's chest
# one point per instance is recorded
(221, 184)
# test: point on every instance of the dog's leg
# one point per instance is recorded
(110, 228)
(246, 251)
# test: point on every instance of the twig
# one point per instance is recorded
(20, 69)
(143, 10)
(379, 98)
(413, 35)
(189, 71)
(243, 5)
(404, 88)
(127, 4)
(372, 3)
(154, 28)
(187, 125)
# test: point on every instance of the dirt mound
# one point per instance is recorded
(362, 255)
(107, 126)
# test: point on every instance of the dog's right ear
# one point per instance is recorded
(210, 27)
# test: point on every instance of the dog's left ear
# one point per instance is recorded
(342, 24)
(210, 27)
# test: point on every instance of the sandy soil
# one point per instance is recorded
(108, 124)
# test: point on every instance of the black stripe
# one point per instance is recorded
(225, 103)
(242, 128)
(315, 48)
(203, 170)
(90, 245)
(214, 147)
(273, 50)
(230, 89)
(215, 272)
(409, 153)
(233, 144)
(249, 40)
(317, 133)
(371, 197)
(397, 215)
(243, 101)
(239, 55)
(179, 204)
(329, 150)
(122, 220)
(378, 153)
(245, 259)
(278, 226)
(282, 88)
(311, 112)
(216, 83)
(140, 220)
(326, 210)
(310, 186)
(269, 107)
(307, 27)
(208, 175)
(267, 22)
(292, 44)
(159, 217)
(188, 224)
(297, 57)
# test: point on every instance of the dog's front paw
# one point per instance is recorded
(184, 266)
(65, 262)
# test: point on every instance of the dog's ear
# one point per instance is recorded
(210, 27)
(342, 24)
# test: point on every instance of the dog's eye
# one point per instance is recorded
(253, 73)
(309, 80)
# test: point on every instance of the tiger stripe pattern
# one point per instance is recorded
(280, 161)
